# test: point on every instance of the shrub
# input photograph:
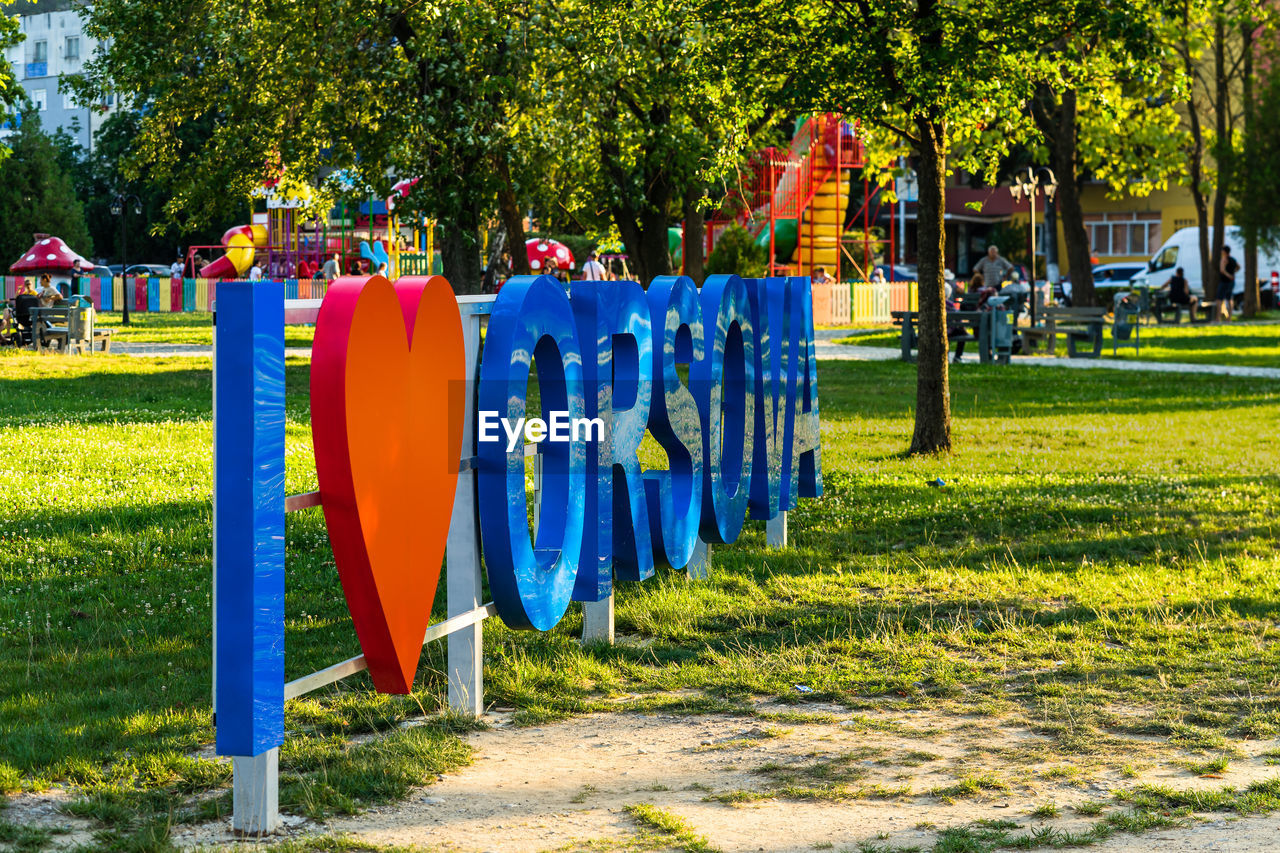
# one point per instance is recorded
(736, 252)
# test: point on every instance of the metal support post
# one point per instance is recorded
(597, 621)
(775, 531)
(255, 793)
(699, 567)
(462, 555)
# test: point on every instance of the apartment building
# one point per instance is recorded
(55, 45)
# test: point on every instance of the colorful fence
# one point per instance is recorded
(839, 304)
(149, 295)
(873, 302)
(859, 302)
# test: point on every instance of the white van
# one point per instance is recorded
(1183, 250)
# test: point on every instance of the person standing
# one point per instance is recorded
(175, 268)
(593, 270)
(1227, 269)
(331, 268)
(255, 272)
(993, 268)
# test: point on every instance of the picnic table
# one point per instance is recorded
(67, 328)
(991, 329)
(1084, 326)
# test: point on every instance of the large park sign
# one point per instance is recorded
(418, 433)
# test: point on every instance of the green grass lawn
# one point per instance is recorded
(1243, 344)
(183, 328)
(1100, 568)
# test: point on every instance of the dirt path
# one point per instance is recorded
(537, 789)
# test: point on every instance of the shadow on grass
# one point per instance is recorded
(887, 389)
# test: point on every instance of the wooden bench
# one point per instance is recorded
(1079, 325)
(101, 336)
(52, 328)
(68, 329)
(1161, 306)
(978, 327)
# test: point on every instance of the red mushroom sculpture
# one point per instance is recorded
(545, 255)
(49, 255)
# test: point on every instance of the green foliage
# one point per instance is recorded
(361, 93)
(1257, 207)
(37, 195)
(737, 252)
(641, 119)
(153, 237)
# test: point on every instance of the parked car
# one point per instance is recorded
(148, 270)
(1105, 274)
(114, 268)
(101, 271)
(900, 272)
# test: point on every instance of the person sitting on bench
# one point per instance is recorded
(48, 294)
(1180, 293)
(957, 330)
(17, 318)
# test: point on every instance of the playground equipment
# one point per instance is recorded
(796, 202)
(292, 243)
(241, 244)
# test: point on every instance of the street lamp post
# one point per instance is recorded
(119, 206)
(1027, 185)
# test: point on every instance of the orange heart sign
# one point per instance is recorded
(387, 371)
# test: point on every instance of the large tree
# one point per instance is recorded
(37, 195)
(1211, 46)
(368, 92)
(1256, 208)
(1107, 117)
(1258, 199)
(640, 106)
(943, 75)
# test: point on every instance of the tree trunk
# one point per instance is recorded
(694, 233)
(1208, 276)
(1222, 151)
(1248, 200)
(1075, 235)
(933, 393)
(1056, 117)
(644, 233)
(509, 209)
(655, 249)
(460, 251)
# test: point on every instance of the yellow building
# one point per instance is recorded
(1132, 229)
(1127, 229)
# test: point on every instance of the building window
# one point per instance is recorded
(1123, 234)
(69, 101)
(40, 51)
(72, 53)
(40, 98)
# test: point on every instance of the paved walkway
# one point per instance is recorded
(827, 350)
